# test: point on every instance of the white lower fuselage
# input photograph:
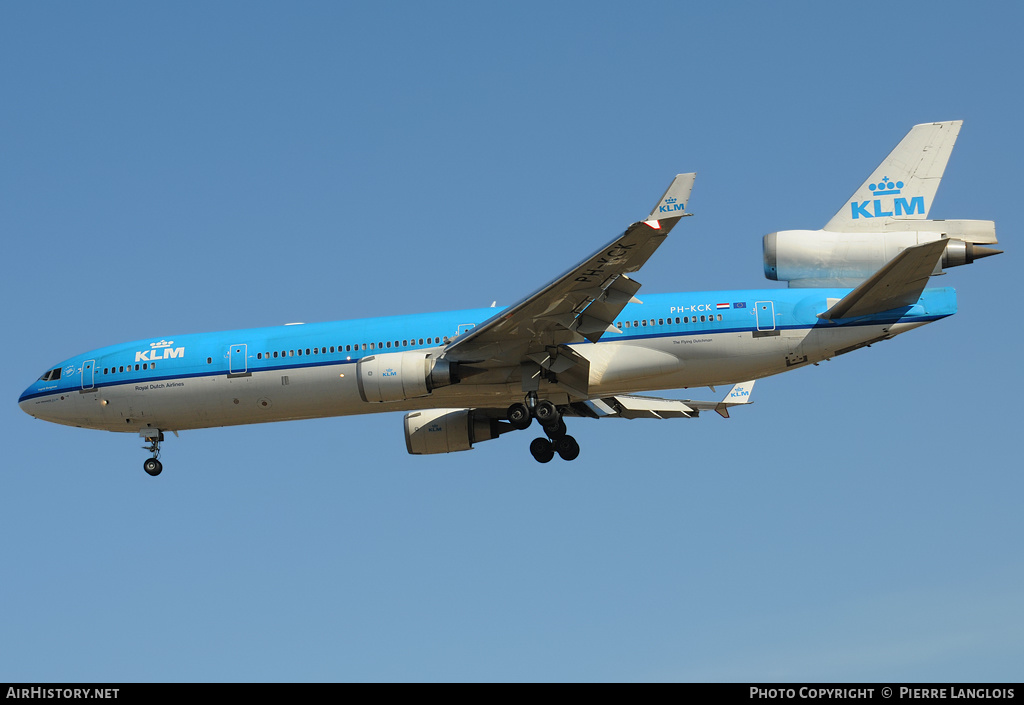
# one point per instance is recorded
(245, 377)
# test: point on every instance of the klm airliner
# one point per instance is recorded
(582, 346)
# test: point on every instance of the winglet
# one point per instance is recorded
(673, 201)
(739, 394)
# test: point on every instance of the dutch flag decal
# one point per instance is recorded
(721, 306)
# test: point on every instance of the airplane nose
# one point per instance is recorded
(26, 403)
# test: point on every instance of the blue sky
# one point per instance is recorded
(198, 167)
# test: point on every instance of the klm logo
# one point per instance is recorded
(739, 393)
(886, 188)
(390, 373)
(671, 206)
(159, 351)
(876, 208)
(434, 428)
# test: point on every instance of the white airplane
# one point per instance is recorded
(582, 345)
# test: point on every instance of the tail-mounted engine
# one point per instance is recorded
(403, 375)
(822, 258)
(449, 430)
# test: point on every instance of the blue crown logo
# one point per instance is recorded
(886, 187)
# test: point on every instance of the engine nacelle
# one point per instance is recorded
(403, 375)
(448, 430)
(807, 258)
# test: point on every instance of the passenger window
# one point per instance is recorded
(307, 351)
(389, 343)
(644, 323)
(719, 316)
(627, 324)
(661, 321)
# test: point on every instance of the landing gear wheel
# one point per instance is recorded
(557, 430)
(153, 466)
(567, 447)
(546, 412)
(542, 450)
(519, 416)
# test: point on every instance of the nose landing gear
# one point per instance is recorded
(152, 466)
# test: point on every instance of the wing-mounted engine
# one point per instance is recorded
(403, 375)
(449, 430)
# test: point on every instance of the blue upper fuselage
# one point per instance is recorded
(157, 360)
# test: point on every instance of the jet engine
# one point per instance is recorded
(403, 375)
(821, 258)
(449, 430)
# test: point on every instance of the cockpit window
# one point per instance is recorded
(51, 376)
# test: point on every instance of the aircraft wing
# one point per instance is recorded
(581, 304)
(630, 406)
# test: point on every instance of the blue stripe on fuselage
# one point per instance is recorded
(186, 356)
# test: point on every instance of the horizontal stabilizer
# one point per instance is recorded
(898, 283)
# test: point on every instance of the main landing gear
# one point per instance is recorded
(546, 413)
(152, 465)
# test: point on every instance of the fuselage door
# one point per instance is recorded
(765, 312)
(88, 374)
(237, 359)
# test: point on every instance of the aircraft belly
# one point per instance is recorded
(332, 390)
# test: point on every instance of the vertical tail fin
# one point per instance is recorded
(904, 184)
